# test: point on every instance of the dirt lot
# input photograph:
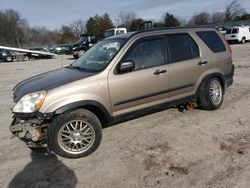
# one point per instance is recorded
(166, 149)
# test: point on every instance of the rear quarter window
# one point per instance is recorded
(212, 40)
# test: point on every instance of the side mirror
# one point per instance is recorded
(126, 66)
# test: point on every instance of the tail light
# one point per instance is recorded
(228, 45)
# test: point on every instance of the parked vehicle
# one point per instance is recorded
(38, 55)
(6, 56)
(238, 34)
(86, 42)
(62, 49)
(114, 32)
(119, 78)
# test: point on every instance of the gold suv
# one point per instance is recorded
(119, 78)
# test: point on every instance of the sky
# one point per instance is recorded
(55, 13)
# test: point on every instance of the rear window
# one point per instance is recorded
(234, 31)
(229, 31)
(212, 40)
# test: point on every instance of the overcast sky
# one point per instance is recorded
(54, 13)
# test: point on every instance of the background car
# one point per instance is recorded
(62, 49)
(6, 56)
(39, 56)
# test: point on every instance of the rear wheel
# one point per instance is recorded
(243, 40)
(76, 134)
(211, 94)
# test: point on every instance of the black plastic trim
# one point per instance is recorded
(151, 109)
(82, 104)
(154, 94)
(229, 78)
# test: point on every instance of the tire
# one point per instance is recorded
(66, 134)
(243, 40)
(75, 56)
(80, 53)
(9, 59)
(211, 94)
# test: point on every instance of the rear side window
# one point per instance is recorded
(212, 40)
(182, 47)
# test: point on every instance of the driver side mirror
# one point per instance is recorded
(126, 66)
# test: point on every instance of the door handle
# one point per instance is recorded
(202, 63)
(158, 72)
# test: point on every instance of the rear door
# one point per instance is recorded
(186, 64)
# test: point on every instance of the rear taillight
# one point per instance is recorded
(228, 45)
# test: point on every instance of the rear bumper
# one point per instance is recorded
(229, 78)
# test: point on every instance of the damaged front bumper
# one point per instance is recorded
(31, 128)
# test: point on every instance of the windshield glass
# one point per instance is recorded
(83, 39)
(99, 56)
(109, 33)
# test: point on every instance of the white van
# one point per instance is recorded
(238, 34)
(115, 31)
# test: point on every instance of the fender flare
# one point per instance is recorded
(93, 106)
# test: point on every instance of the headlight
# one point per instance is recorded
(4, 54)
(30, 103)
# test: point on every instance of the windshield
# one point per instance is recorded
(83, 39)
(99, 56)
(109, 33)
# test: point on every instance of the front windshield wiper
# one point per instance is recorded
(76, 67)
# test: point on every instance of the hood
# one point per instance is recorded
(48, 81)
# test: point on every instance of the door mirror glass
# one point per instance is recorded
(126, 66)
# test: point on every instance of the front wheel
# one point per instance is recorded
(9, 59)
(211, 94)
(76, 134)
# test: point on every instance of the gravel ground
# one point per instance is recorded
(166, 149)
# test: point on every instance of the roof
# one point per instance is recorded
(130, 34)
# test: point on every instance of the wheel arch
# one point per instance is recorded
(212, 75)
(95, 107)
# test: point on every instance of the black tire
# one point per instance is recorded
(243, 40)
(206, 96)
(75, 56)
(9, 59)
(56, 130)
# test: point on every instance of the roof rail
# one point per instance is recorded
(146, 25)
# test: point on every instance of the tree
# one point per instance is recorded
(78, 28)
(98, 25)
(13, 27)
(170, 20)
(233, 10)
(218, 17)
(200, 19)
(66, 35)
(126, 19)
(159, 24)
(135, 24)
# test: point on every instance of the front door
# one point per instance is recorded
(147, 84)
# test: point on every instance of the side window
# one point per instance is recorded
(119, 32)
(182, 47)
(147, 53)
(212, 40)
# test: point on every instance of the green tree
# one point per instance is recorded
(170, 20)
(135, 24)
(98, 25)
